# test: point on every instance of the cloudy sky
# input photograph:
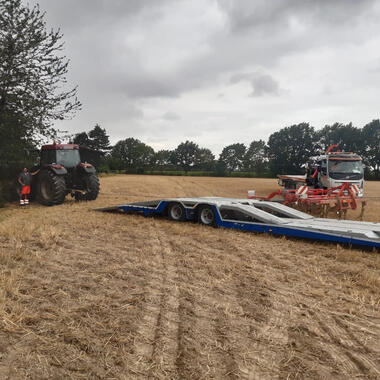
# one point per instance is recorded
(218, 71)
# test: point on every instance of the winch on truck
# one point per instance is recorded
(329, 170)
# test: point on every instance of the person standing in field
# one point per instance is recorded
(25, 180)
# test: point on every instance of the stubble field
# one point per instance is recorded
(108, 296)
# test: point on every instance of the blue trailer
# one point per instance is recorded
(258, 216)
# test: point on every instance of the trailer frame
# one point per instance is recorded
(261, 217)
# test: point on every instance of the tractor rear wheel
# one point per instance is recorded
(51, 188)
(92, 187)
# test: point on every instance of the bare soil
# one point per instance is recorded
(89, 295)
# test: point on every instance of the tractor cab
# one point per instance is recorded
(66, 155)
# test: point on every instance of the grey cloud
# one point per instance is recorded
(96, 40)
(247, 14)
(133, 60)
(262, 84)
(79, 14)
(171, 116)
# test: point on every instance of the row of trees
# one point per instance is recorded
(132, 154)
(285, 152)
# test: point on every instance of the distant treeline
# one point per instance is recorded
(285, 152)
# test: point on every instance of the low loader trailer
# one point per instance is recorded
(257, 216)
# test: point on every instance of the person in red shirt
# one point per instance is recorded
(25, 180)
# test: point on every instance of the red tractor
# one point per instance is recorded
(62, 172)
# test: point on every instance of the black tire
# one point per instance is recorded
(206, 216)
(176, 212)
(92, 187)
(51, 188)
(79, 196)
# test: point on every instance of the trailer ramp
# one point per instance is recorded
(258, 216)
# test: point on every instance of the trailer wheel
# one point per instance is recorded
(206, 216)
(176, 212)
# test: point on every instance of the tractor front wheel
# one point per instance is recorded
(92, 187)
(51, 188)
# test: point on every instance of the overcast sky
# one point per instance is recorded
(218, 71)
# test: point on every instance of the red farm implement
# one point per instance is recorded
(338, 199)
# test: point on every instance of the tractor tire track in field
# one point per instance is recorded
(156, 345)
(327, 348)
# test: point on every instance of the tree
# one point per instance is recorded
(371, 145)
(232, 157)
(32, 72)
(205, 159)
(162, 158)
(255, 158)
(346, 136)
(290, 147)
(133, 154)
(82, 139)
(185, 155)
(99, 139)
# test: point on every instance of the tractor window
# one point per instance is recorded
(68, 158)
(48, 157)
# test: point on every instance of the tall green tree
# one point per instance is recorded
(99, 140)
(346, 136)
(205, 159)
(232, 157)
(133, 154)
(290, 147)
(82, 139)
(162, 159)
(371, 146)
(255, 158)
(185, 155)
(32, 72)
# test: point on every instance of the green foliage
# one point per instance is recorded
(32, 72)
(99, 139)
(162, 159)
(371, 146)
(290, 147)
(255, 159)
(232, 157)
(96, 139)
(185, 155)
(205, 160)
(132, 154)
(81, 139)
(200, 173)
(347, 137)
